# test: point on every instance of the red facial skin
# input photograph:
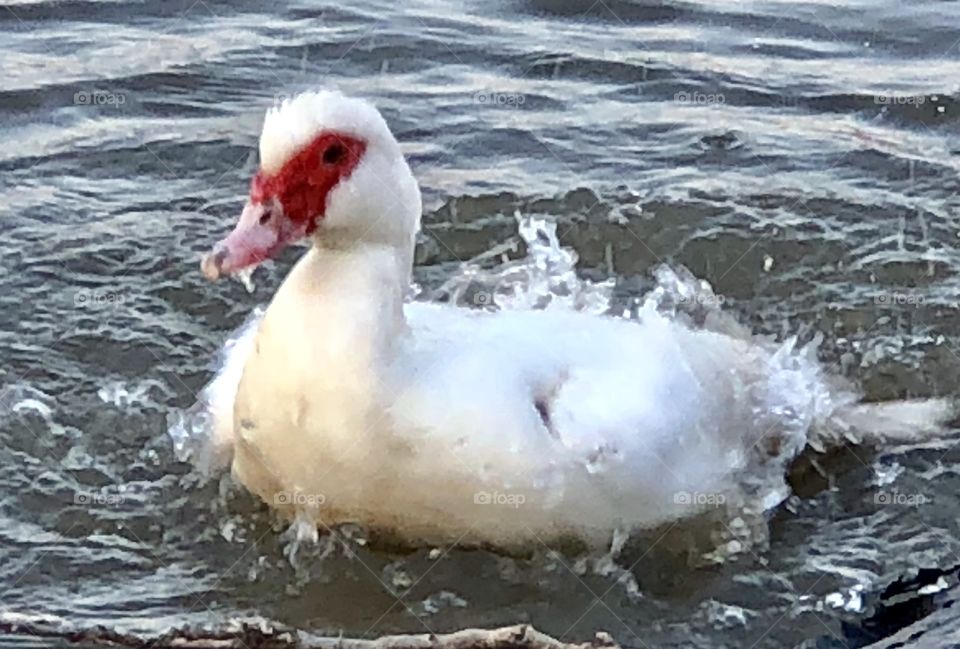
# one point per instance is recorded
(286, 206)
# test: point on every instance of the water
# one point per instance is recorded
(798, 156)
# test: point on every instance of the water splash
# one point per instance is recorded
(441, 600)
(679, 295)
(245, 277)
(133, 395)
(21, 398)
(725, 617)
(546, 278)
(23, 401)
(193, 431)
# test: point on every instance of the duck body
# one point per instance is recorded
(440, 424)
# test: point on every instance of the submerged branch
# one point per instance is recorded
(252, 636)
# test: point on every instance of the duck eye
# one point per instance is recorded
(333, 154)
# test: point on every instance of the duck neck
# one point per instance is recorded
(322, 351)
(339, 313)
(346, 245)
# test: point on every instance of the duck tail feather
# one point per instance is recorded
(896, 422)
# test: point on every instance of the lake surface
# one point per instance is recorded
(800, 157)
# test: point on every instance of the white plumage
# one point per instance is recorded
(444, 424)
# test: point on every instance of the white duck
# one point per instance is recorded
(446, 424)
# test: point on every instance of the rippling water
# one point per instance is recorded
(798, 156)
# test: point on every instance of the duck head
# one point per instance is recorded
(330, 169)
